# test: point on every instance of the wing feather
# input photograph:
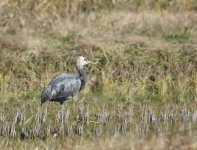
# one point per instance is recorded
(64, 86)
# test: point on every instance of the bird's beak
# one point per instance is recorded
(90, 62)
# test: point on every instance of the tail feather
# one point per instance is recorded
(44, 96)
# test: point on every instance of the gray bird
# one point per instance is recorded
(66, 85)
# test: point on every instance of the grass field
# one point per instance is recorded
(142, 94)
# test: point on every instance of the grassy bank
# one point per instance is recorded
(141, 94)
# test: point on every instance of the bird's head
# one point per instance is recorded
(81, 61)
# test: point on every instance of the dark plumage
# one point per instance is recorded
(66, 86)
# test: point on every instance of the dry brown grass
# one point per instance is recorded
(159, 142)
(142, 94)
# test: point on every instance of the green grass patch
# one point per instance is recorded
(180, 37)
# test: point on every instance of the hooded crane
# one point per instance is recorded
(66, 85)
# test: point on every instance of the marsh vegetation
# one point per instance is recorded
(141, 94)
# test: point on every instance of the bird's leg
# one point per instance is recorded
(62, 119)
(72, 101)
(62, 113)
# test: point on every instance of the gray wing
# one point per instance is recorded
(61, 77)
(64, 86)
